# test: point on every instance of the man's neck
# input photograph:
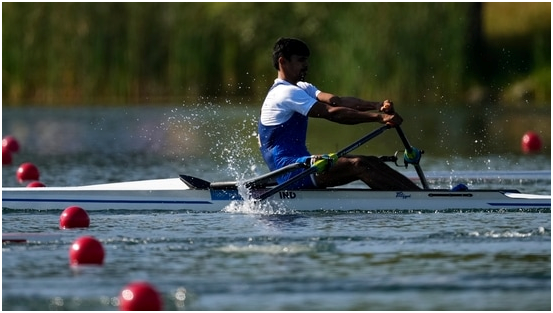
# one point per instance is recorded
(282, 76)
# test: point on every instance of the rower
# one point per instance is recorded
(283, 127)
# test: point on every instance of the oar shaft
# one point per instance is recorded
(287, 183)
(404, 139)
(264, 179)
(363, 140)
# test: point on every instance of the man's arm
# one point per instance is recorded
(345, 115)
(348, 102)
(351, 110)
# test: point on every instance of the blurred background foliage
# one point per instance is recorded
(162, 53)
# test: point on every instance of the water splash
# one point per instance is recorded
(272, 249)
(214, 129)
(255, 207)
(229, 136)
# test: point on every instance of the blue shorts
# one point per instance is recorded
(307, 182)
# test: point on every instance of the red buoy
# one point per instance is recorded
(74, 217)
(531, 142)
(27, 171)
(10, 143)
(140, 296)
(35, 183)
(6, 156)
(86, 250)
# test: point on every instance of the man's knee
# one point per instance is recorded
(367, 162)
(364, 160)
(361, 163)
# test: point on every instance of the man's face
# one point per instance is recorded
(297, 67)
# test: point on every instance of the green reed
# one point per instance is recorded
(149, 53)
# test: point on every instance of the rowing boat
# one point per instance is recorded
(190, 193)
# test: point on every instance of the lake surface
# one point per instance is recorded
(248, 260)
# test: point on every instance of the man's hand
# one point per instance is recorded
(387, 107)
(392, 119)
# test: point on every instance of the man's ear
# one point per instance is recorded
(281, 62)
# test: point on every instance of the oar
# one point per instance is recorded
(256, 182)
(315, 166)
(270, 177)
(412, 156)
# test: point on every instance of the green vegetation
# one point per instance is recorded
(150, 53)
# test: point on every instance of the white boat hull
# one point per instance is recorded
(173, 194)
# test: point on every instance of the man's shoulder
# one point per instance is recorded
(284, 89)
(305, 85)
(282, 85)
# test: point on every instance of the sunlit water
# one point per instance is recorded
(246, 258)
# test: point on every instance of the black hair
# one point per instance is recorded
(286, 47)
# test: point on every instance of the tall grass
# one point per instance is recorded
(136, 53)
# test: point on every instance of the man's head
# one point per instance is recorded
(286, 47)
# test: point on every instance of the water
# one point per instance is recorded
(248, 260)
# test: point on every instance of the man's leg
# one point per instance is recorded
(369, 169)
